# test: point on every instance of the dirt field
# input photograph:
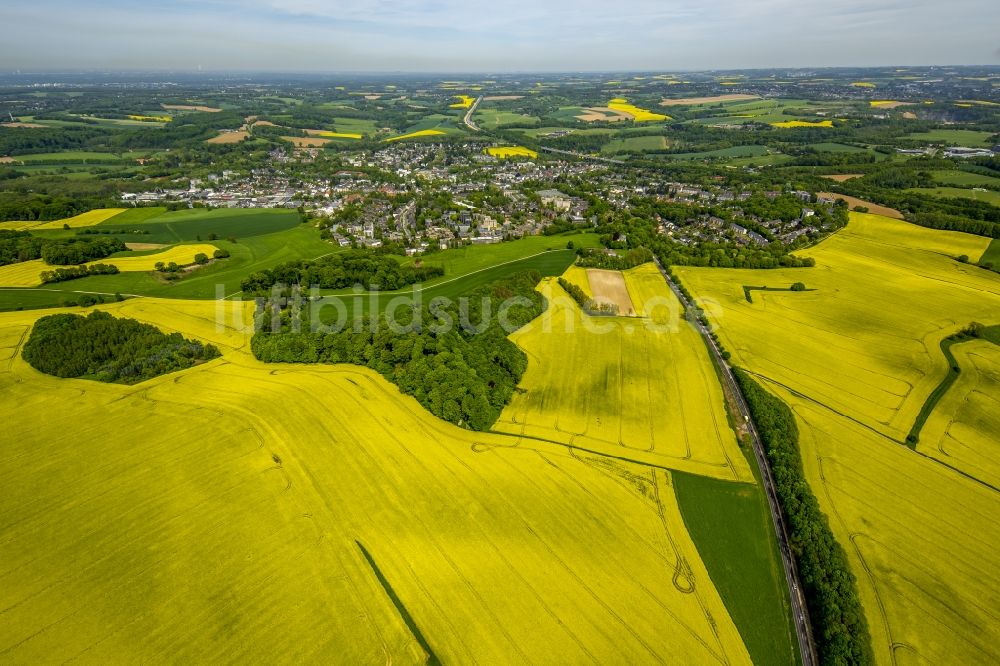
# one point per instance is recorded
(909, 115)
(872, 207)
(604, 114)
(35, 125)
(230, 137)
(841, 177)
(144, 246)
(609, 287)
(687, 101)
(306, 141)
(8, 160)
(502, 98)
(191, 107)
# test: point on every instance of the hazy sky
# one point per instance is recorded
(496, 35)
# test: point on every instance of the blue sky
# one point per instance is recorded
(500, 35)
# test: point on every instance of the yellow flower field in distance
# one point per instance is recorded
(803, 123)
(415, 135)
(503, 152)
(159, 119)
(464, 102)
(338, 135)
(88, 219)
(27, 273)
(182, 255)
(856, 358)
(641, 391)
(639, 115)
(253, 490)
(863, 84)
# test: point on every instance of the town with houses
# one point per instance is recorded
(426, 197)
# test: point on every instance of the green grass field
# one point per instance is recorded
(186, 225)
(953, 137)
(722, 153)
(964, 179)
(731, 525)
(247, 255)
(635, 143)
(491, 118)
(547, 263)
(992, 253)
(989, 196)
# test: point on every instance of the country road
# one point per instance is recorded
(807, 649)
(468, 116)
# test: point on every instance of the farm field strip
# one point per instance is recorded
(622, 368)
(856, 359)
(498, 554)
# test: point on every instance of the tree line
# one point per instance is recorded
(338, 271)
(830, 589)
(18, 246)
(464, 373)
(108, 349)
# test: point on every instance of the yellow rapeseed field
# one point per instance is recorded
(23, 274)
(863, 84)
(510, 151)
(649, 395)
(639, 115)
(159, 119)
(856, 359)
(464, 103)
(803, 123)
(965, 425)
(338, 135)
(27, 273)
(88, 219)
(182, 255)
(414, 135)
(233, 527)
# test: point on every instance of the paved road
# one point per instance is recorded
(606, 160)
(807, 648)
(468, 115)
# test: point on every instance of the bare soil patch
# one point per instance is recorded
(688, 101)
(604, 114)
(35, 125)
(145, 246)
(229, 137)
(502, 98)
(841, 177)
(9, 160)
(854, 202)
(609, 287)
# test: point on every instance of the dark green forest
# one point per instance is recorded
(108, 349)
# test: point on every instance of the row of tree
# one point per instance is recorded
(830, 589)
(18, 246)
(370, 269)
(108, 349)
(74, 272)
